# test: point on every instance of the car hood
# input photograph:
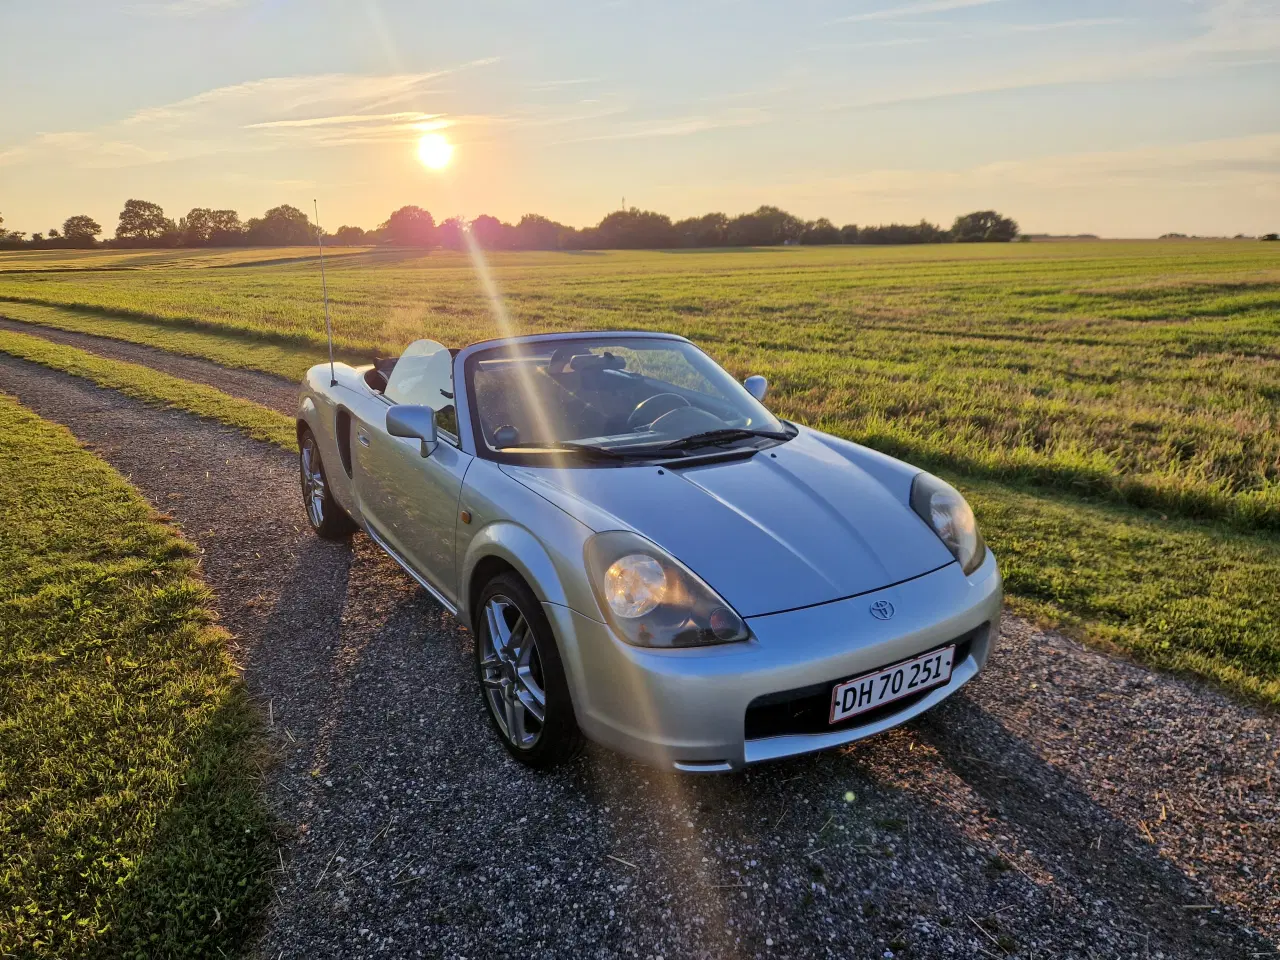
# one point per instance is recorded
(793, 526)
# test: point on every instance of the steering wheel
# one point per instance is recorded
(651, 408)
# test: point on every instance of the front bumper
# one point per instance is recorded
(687, 709)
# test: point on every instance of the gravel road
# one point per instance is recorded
(274, 392)
(1066, 804)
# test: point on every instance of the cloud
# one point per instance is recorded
(344, 120)
(679, 126)
(915, 9)
(1250, 162)
(185, 8)
(1080, 23)
(254, 116)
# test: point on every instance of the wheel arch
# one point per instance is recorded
(503, 546)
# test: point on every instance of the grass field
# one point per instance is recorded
(1060, 384)
(130, 822)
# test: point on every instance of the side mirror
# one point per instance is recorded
(757, 386)
(415, 422)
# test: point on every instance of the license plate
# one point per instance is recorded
(884, 686)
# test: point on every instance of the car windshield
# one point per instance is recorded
(623, 396)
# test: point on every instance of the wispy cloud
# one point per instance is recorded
(915, 9)
(1252, 162)
(682, 126)
(185, 8)
(1078, 24)
(345, 119)
(557, 84)
(254, 116)
(1003, 30)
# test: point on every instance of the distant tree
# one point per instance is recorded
(53, 233)
(897, 233)
(349, 236)
(81, 229)
(10, 236)
(1271, 236)
(196, 227)
(634, 229)
(142, 222)
(849, 233)
(281, 226)
(410, 227)
(536, 232)
(225, 229)
(490, 232)
(708, 230)
(37, 238)
(766, 226)
(821, 231)
(983, 226)
(449, 233)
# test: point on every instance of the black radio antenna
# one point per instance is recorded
(324, 289)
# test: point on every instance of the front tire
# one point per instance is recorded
(521, 676)
(327, 518)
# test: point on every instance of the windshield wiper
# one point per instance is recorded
(585, 450)
(724, 435)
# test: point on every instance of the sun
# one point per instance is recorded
(434, 151)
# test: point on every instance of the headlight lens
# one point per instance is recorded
(652, 600)
(634, 585)
(951, 518)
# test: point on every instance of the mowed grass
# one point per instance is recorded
(1111, 408)
(130, 820)
(1144, 373)
(152, 386)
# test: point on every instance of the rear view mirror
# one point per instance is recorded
(414, 422)
(757, 386)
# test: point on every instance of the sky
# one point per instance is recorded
(1124, 118)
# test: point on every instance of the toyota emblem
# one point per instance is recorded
(882, 610)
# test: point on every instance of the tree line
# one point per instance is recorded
(144, 224)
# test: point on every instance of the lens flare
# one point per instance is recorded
(435, 151)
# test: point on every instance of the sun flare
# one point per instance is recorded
(434, 151)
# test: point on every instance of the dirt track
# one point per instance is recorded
(1066, 804)
(274, 392)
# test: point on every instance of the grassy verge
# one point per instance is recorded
(130, 824)
(151, 386)
(282, 359)
(1186, 595)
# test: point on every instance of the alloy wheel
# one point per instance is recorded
(313, 486)
(511, 673)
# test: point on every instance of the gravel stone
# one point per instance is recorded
(1065, 804)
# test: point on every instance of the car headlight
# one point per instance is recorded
(653, 600)
(951, 518)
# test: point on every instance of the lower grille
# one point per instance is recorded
(808, 709)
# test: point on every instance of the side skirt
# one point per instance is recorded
(422, 581)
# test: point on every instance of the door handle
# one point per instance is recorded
(362, 437)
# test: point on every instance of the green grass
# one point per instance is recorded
(288, 360)
(152, 386)
(1111, 408)
(1146, 373)
(1182, 595)
(130, 820)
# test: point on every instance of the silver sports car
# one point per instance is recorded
(645, 554)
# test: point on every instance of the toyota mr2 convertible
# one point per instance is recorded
(646, 556)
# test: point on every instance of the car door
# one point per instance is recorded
(410, 501)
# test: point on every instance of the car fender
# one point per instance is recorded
(508, 541)
(513, 544)
(318, 404)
